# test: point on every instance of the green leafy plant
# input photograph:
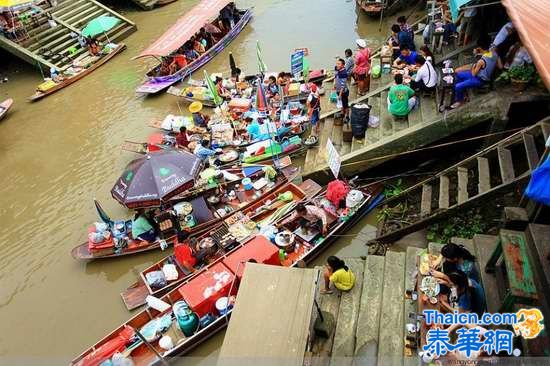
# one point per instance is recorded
(462, 226)
(524, 73)
(392, 190)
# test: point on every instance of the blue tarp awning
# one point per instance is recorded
(455, 6)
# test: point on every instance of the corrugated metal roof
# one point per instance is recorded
(532, 21)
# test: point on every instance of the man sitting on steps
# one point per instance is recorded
(401, 98)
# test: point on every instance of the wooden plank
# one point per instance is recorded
(484, 246)
(410, 306)
(506, 165)
(390, 349)
(540, 249)
(344, 336)
(426, 203)
(444, 192)
(484, 183)
(326, 132)
(462, 184)
(530, 150)
(519, 270)
(368, 323)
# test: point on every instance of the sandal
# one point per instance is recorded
(455, 105)
(325, 292)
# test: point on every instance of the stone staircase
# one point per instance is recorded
(49, 47)
(493, 171)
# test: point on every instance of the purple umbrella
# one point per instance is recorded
(151, 179)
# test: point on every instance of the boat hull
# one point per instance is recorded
(5, 107)
(154, 85)
(39, 95)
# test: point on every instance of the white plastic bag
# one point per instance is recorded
(170, 272)
(339, 104)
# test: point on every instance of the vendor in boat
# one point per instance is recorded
(222, 91)
(164, 67)
(143, 228)
(272, 87)
(182, 139)
(311, 217)
(337, 273)
(199, 119)
(226, 17)
(203, 152)
(93, 46)
(184, 253)
(197, 45)
(189, 52)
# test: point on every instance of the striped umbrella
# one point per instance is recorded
(261, 99)
(212, 88)
(262, 67)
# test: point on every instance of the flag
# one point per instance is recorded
(262, 67)
(305, 70)
(212, 88)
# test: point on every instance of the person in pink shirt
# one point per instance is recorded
(362, 67)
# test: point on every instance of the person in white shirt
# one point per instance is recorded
(506, 30)
(426, 76)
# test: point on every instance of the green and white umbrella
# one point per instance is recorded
(262, 67)
(212, 88)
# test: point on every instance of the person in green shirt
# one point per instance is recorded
(401, 98)
(142, 228)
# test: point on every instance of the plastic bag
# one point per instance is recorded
(156, 279)
(101, 226)
(154, 328)
(170, 272)
(96, 237)
(339, 103)
(120, 360)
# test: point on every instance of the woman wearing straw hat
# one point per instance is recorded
(362, 67)
(199, 119)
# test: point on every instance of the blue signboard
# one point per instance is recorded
(297, 62)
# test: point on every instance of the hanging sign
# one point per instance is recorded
(297, 62)
(334, 161)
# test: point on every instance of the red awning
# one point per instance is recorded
(531, 19)
(185, 28)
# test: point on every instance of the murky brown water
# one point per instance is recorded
(58, 154)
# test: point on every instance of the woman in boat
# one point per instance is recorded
(184, 253)
(93, 46)
(190, 52)
(222, 91)
(197, 45)
(199, 119)
(337, 273)
(142, 228)
(179, 61)
(456, 257)
(164, 68)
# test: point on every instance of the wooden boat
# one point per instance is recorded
(180, 94)
(5, 107)
(68, 81)
(372, 7)
(205, 214)
(185, 28)
(200, 296)
(135, 295)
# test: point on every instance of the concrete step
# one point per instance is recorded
(444, 192)
(506, 165)
(391, 342)
(368, 323)
(326, 133)
(484, 247)
(348, 312)
(484, 177)
(373, 134)
(428, 109)
(530, 150)
(386, 119)
(462, 173)
(426, 200)
(415, 117)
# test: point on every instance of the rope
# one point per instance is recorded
(429, 147)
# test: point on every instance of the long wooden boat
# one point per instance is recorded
(179, 92)
(201, 292)
(372, 7)
(205, 214)
(188, 25)
(135, 295)
(5, 107)
(68, 81)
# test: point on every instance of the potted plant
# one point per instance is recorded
(519, 76)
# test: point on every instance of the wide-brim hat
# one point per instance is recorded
(195, 107)
(361, 43)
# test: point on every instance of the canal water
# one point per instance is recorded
(58, 154)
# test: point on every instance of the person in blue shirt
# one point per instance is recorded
(253, 128)
(470, 294)
(203, 152)
(341, 87)
(406, 57)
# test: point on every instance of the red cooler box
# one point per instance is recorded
(202, 291)
(259, 248)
